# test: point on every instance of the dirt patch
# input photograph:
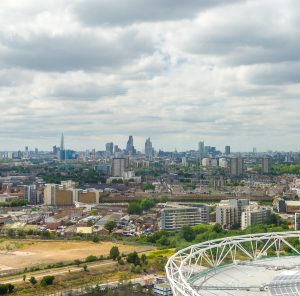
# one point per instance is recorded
(31, 253)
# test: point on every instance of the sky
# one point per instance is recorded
(222, 71)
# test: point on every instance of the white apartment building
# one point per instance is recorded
(253, 214)
(176, 215)
(229, 212)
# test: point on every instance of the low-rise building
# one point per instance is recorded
(253, 214)
(174, 216)
(297, 221)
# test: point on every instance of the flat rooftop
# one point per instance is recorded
(266, 277)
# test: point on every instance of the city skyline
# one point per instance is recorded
(170, 70)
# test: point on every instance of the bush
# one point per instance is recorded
(96, 239)
(6, 288)
(133, 258)
(77, 262)
(91, 258)
(137, 269)
(32, 280)
(47, 280)
(110, 225)
(121, 262)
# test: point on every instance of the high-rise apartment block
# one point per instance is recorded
(236, 166)
(266, 165)
(119, 166)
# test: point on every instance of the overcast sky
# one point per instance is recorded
(223, 71)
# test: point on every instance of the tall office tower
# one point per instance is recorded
(297, 221)
(119, 166)
(266, 165)
(201, 148)
(254, 150)
(148, 148)
(117, 149)
(109, 148)
(130, 147)
(227, 150)
(30, 194)
(236, 166)
(62, 142)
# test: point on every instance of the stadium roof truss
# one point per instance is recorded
(197, 262)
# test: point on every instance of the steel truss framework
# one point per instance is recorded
(191, 263)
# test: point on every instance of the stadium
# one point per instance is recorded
(254, 264)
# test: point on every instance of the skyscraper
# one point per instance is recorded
(201, 148)
(62, 142)
(130, 147)
(265, 165)
(148, 148)
(236, 166)
(109, 148)
(227, 150)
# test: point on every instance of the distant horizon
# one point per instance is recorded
(140, 148)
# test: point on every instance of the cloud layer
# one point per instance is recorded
(177, 71)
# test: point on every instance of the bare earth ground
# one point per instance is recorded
(27, 253)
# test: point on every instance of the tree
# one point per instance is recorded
(144, 259)
(24, 277)
(96, 239)
(114, 253)
(134, 208)
(33, 281)
(85, 267)
(272, 219)
(47, 280)
(110, 225)
(133, 258)
(188, 233)
(10, 233)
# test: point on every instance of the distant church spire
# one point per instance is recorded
(62, 144)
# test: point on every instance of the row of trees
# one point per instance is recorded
(137, 207)
(14, 203)
(202, 232)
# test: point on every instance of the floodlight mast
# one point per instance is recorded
(186, 265)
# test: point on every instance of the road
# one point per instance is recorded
(54, 272)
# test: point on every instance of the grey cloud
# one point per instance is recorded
(115, 12)
(86, 91)
(275, 74)
(77, 51)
